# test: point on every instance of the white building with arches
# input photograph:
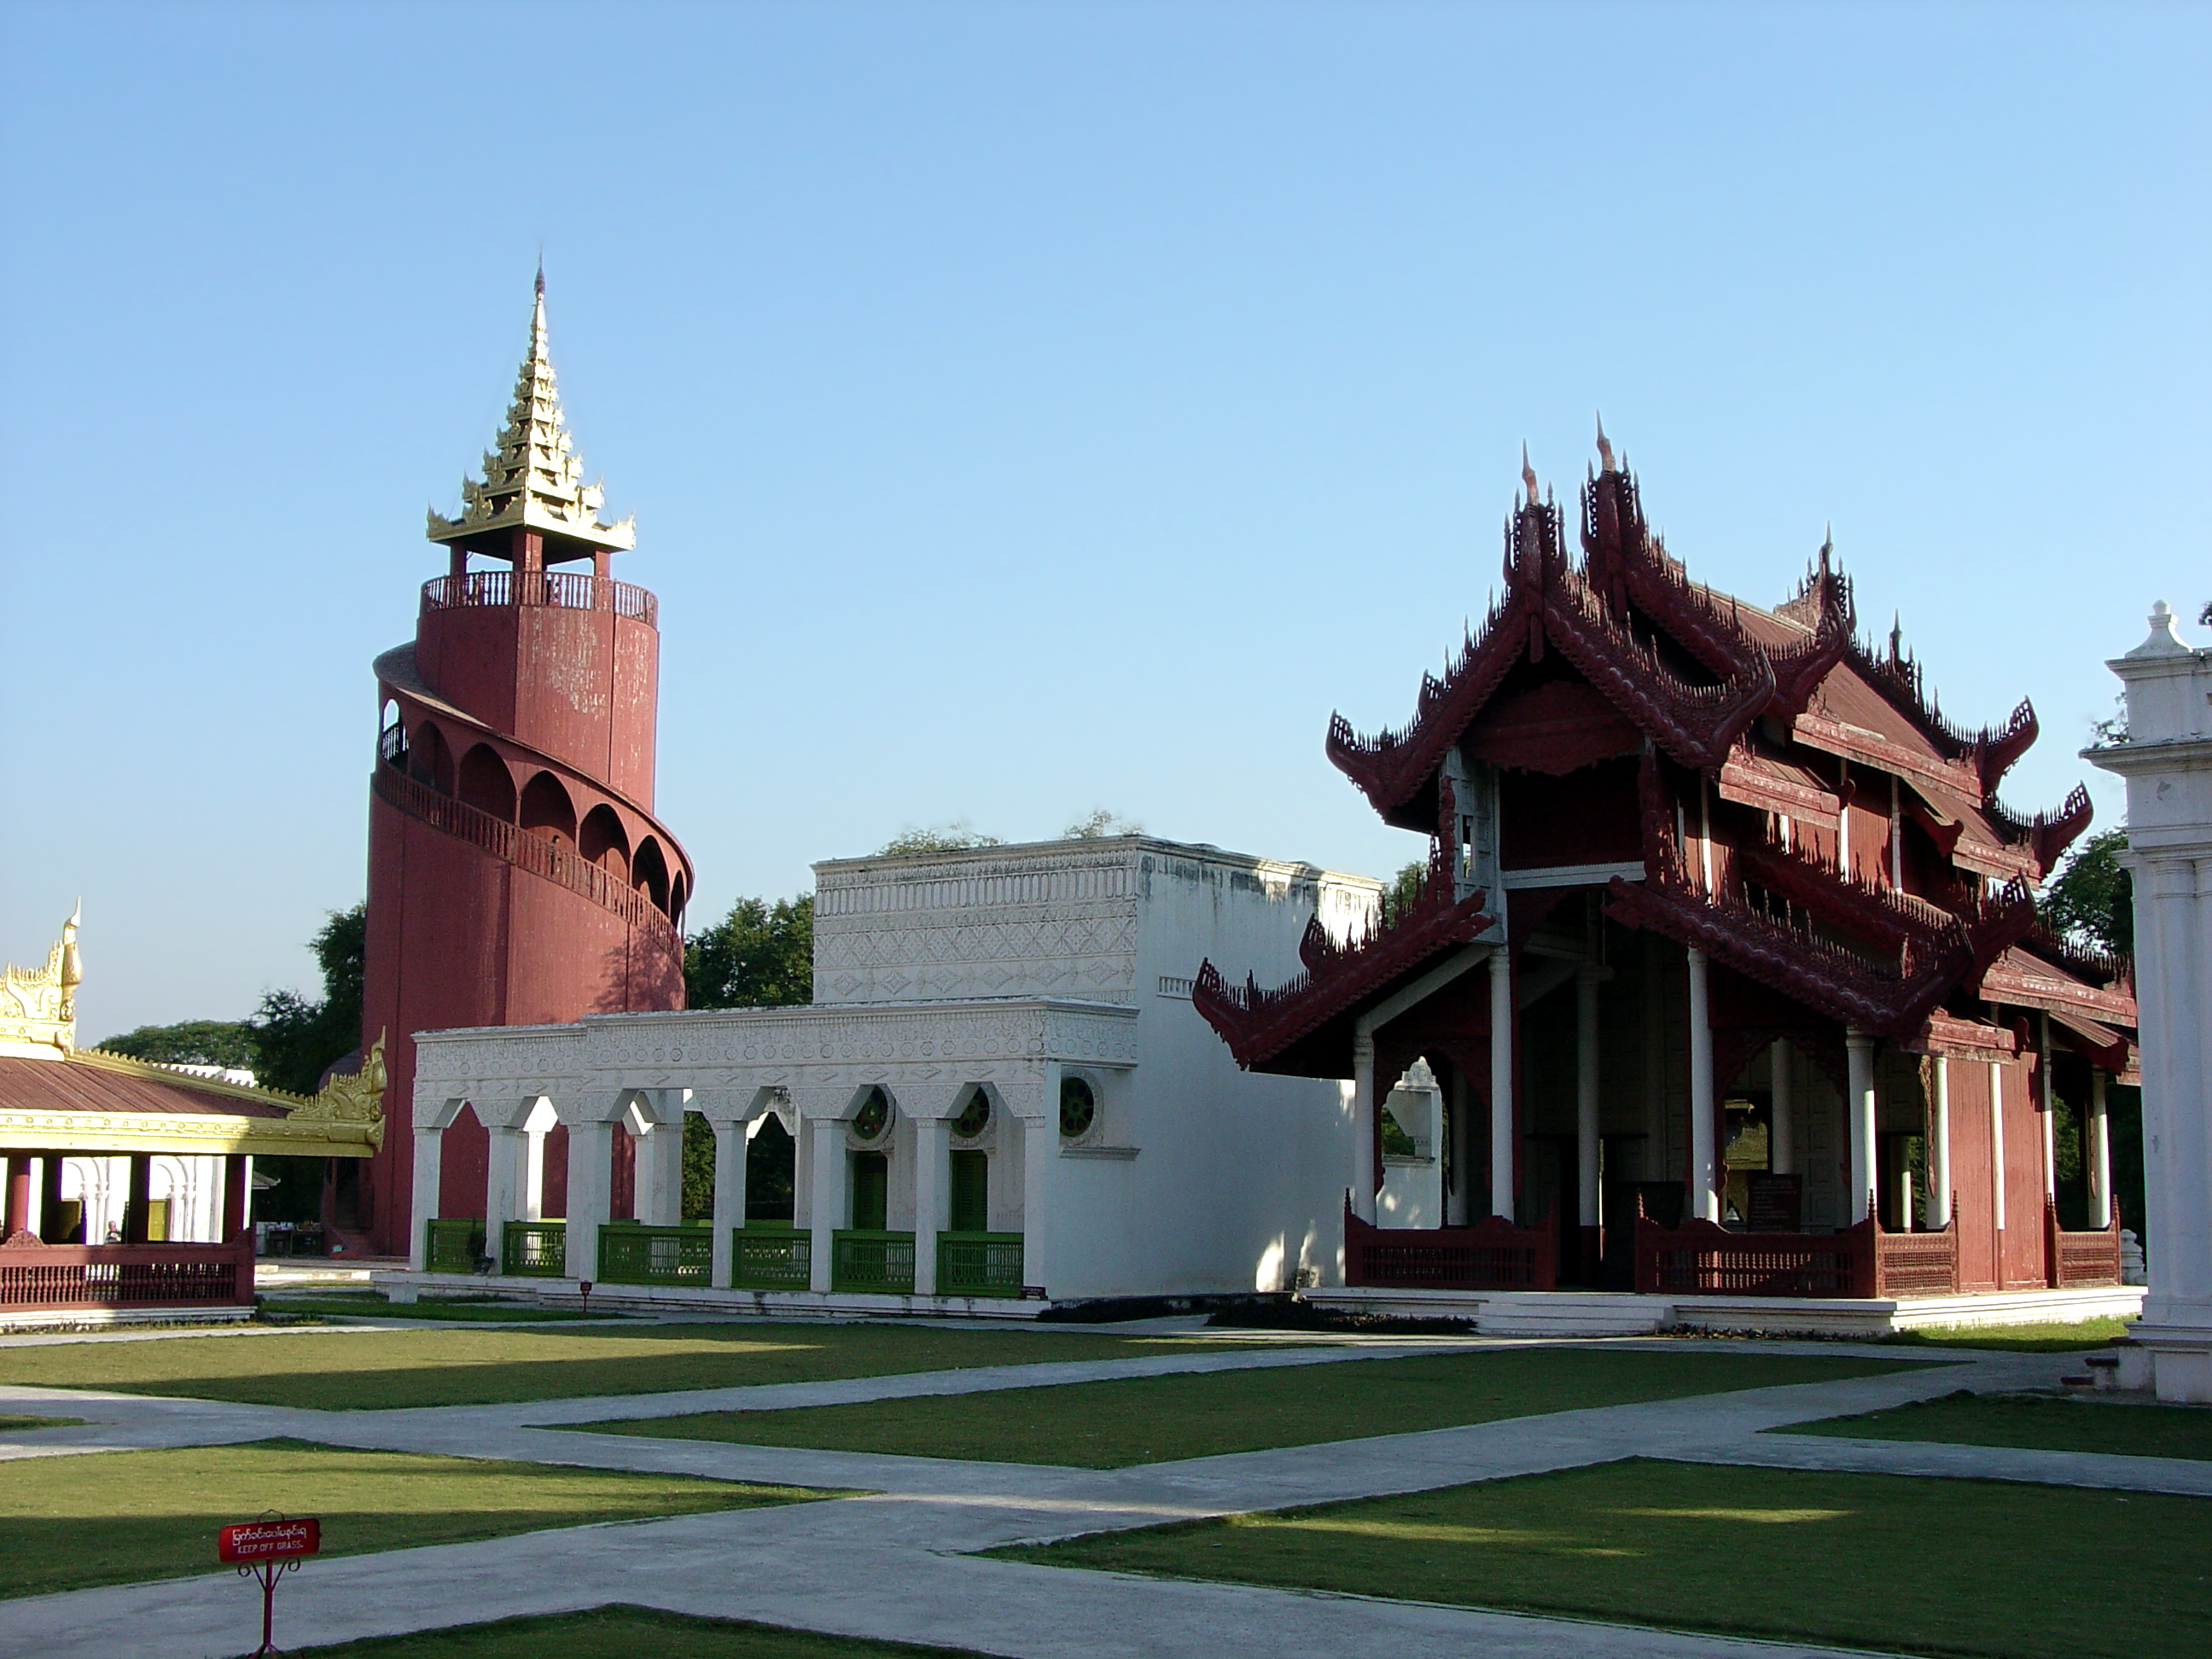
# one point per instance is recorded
(1002, 1095)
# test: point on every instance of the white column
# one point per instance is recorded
(1939, 1146)
(2100, 1154)
(1997, 1158)
(660, 1164)
(533, 1175)
(933, 1167)
(1040, 1160)
(429, 1150)
(1704, 1163)
(2049, 1104)
(590, 1193)
(1859, 1050)
(731, 1141)
(831, 1193)
(502, 1189)
(1364, 1108)
(1782, 1131)
(1586, 1124)
(1501, 1082)
(1463, 1152)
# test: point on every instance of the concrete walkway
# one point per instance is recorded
(897, 1564)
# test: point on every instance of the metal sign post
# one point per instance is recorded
(267, 1549)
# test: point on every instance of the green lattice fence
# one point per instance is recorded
(872, 1261)
(534, 1249)
(771, 1258)
(453, 1244)
(979, 1264)
(632, 1254)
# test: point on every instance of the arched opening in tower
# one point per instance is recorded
(486, 784)
(547, 809)
(600, 840)
(651, 873)
(429, 760)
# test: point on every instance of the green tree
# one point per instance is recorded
(296, 1038)
(2092, 899)
(1099, 825)
(189, 1042)
(1404, 887)
(759, 956)
(939, 838)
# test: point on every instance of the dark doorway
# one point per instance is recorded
(971, 1192)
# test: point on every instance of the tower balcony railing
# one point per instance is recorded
(560, 590)
(541, 855)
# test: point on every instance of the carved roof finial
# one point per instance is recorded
(533, 480)
(1604, 447)
(1528, 475)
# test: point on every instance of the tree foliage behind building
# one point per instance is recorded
(2092, 899)
(759, 956)
(297, 1038)
(189, 1042)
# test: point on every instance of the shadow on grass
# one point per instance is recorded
(2034, 1422)
(624, 1630)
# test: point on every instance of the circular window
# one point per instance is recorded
(1078, 1107)
(974, 1116)
(875, 1112)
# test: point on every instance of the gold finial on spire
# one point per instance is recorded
(1528, 474)
(533, 480)
(1604, 446)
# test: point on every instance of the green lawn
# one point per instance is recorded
(2040, 1422)
(372, 1370)
(120, 1517)
(1950, 1567)
(10, 1421)
(2083, 1335)
(373, 1304)
(624, 1630)
(1105, 1426)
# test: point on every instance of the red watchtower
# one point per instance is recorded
(517, 875)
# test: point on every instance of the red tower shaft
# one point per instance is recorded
(517, 875)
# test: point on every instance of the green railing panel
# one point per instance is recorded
(634, 1255)
(535, 1249)
(454, 1244)
(879, 1261)
(979, 1264)
(771, 1258)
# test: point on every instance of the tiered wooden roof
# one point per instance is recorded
(1786, 712)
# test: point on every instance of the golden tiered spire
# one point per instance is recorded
(534, 481)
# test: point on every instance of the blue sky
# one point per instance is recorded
(1029, 408)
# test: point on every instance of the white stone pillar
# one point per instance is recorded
(1587, 1150)
(502, 1189)
(731, 1141)
(1364, 1106)
(1997, 1160)
(1939, 1146)
(590, 1193)
(1859, 1051)
(533, 1175)
(660, 1164)
(1782, 1130)
(2100, 1154)
(1705, 1161)
(831, 1194)
(429, 1153)
(933, 1170)
(1039, 1166)
(1501, 1083)
(2046, 1108)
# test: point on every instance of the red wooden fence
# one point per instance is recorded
(36, 1277)
(1493, 1255)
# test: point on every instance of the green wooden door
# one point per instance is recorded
(971, 1192)
(870, 1187)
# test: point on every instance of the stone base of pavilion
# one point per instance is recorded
(404, 1285)
(16, 1321)
(1622, 1313)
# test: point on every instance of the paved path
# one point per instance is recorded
(898, 1563)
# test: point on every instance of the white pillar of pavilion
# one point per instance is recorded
(1363, 1108)
(1705, 1158)
(932, 1174)
(830, 1193)
(535, 1127)
(1501, 1082)
(1997, 1164)
(1939, 1144)
(2047, 1105)
(1858, 1048)
(591, 1193)
(2100, 1154)
(429, 1155)
(732, 1140)
(659, 1190)
(1782, 1112)
(504, 1178)
(1587, 1145)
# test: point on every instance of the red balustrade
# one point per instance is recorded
(1493, 1255)
(564, 590)
(37, 1277)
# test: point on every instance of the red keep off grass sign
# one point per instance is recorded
(268, 1541)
